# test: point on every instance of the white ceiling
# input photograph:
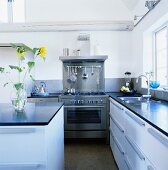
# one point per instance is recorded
(130, 3)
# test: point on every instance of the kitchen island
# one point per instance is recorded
(34, 139)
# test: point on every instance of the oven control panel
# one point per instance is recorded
(84, 101)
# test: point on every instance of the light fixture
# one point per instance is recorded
(150, 4)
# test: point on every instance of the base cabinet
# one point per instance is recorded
(134, 143)
(33, 147)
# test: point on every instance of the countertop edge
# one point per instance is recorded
(152, 124)
(32, 123)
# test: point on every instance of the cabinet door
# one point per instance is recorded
(135, 128)
(156, 148)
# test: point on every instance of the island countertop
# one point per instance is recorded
(35, 114)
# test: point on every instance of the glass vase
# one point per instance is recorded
(19, 99)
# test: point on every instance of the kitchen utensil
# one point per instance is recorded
(72, 75)
(76, 72)
(42, 88)
(92, 71)
(68, 80)
(85, 75)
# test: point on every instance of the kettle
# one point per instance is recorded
(42, 88)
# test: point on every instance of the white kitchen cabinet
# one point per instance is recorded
(156, 147)
(117, 139)
(118, 152)
(117, 111)
(133, 141)
(33, 147)
(135, 128)
(135, 155)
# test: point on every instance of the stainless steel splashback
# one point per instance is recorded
(84, 76)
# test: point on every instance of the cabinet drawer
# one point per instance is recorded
(134, 154)
(23, 166)
(34, 100)
(118, 153)
(135, 128)
(21, 141)
(156, 148)
(117, 111)
(111, 141)
(118, 131)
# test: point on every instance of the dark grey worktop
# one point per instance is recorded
(153, 112)
(35, 114)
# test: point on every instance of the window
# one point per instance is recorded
(12, 11)
(161, 56)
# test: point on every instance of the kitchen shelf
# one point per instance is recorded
(84, 58)
(68, 26)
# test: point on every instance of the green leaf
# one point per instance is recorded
(2, 70)
(18, 86)
(13, 45)
(16, 68)
(35, 50)
(27, 48)
(30, 65)
(21, 47)
(32, 78)
(5, 84)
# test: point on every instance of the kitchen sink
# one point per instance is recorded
(132, 99)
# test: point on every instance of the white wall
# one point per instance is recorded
(117, 45)
(75, 10)
(142, 34)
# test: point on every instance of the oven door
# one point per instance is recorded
(85, 117)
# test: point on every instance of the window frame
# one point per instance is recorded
(164, 26)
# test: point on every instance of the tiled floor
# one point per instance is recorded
(88, 155)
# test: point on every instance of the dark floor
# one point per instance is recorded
(88, 155)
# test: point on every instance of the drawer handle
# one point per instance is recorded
(137, 120)
(117, 124)
(136, 149)
(158, 136)
(17, 130)
(21, 166)
(118, 106)
(150, 167)
(119, 146)
(111, 132)
(128, 163)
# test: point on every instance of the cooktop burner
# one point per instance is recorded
(85, 93)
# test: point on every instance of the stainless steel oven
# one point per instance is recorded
(85, 116)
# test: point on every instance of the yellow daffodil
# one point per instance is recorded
(42, 52)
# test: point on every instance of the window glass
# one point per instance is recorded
(18, 11)
(12, 11)
(3, 11)
(161, 69)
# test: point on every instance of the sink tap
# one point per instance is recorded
(147, 76)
